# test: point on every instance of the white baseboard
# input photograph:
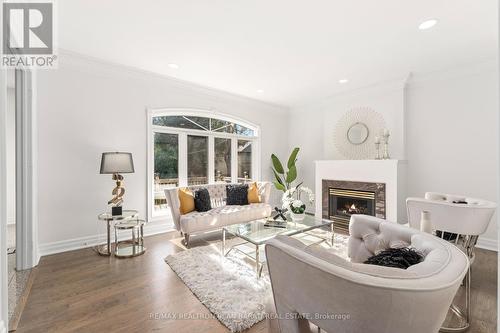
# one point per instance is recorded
(487, 244)
(84, 242)
(3, 329)
(154, 229)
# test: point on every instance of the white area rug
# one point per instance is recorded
(227, 286)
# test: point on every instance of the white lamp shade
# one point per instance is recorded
(117, 162)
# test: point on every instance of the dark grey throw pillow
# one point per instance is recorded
(202, 200)
(237, 194)
(398, 258)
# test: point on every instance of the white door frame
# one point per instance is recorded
(3, 202)
(26, 225)
(26, 177)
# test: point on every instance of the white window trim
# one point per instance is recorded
(151, 129)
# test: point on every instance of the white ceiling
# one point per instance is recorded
(295, 51)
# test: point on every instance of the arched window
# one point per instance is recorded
(194, 147)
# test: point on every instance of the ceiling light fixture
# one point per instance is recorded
(342, 81)
(174, 66)
(260, 91)
(427, 24)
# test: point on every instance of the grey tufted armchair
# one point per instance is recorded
(311, 283)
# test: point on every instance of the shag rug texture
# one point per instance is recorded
(227, 286)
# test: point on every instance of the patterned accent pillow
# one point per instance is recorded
(202, 200)
(237, 194)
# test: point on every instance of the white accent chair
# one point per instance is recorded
(220, 215)
(310, 283)
(463, 218)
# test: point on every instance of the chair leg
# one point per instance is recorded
(464, 314)
(186, 240)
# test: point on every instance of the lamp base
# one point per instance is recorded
(116, 210)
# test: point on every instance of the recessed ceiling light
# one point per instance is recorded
(174, 66)
(343, 81)
(260, 91)
(427, 24)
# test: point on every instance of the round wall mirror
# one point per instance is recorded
(357, 133)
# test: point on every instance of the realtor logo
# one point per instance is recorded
(28, 34)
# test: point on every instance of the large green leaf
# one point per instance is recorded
(291, 174)
(278, 167)
(279, 186)
(293, 157)
(278, 178)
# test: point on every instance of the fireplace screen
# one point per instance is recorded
(344, 203)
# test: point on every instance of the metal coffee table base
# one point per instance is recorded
(259, 263)
(256, 257)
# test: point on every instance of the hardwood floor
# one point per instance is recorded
(79, 291)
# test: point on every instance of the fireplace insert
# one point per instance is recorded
(344, 202)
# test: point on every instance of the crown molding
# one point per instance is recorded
(485, 66)
(398, 84)
(107, 68)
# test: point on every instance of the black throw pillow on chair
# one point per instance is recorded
(399, 258)
(202, 200)
(237, 194)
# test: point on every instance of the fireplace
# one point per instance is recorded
(344, 203)
(341, 199)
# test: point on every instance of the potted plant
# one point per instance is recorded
(291, 200)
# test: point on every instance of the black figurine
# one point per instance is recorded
(279, 213)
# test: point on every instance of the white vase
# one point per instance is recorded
(297, 217)
(425, 222)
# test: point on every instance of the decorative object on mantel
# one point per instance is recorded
(377, 147)
(116, 163)
(355, 131)
(386, 144)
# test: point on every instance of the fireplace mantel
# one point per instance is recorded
(392, 173)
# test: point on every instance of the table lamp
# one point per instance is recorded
(116, 163)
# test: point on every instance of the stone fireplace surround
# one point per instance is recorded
(392, 173)
(377, 188)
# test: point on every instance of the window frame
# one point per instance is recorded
(182, 135)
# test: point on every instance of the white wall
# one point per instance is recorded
(87, 107)
(312, 126)
(451, 133)
(11, 156)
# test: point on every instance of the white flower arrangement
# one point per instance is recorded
(291, 199)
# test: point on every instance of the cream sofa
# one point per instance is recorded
(220, 214)
(311, 282)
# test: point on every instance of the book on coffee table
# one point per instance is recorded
(275, 224)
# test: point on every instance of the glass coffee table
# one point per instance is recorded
(256, 233)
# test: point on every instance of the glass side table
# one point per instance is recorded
(105, 250)
(135, 246)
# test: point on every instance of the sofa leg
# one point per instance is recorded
(186, 240)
